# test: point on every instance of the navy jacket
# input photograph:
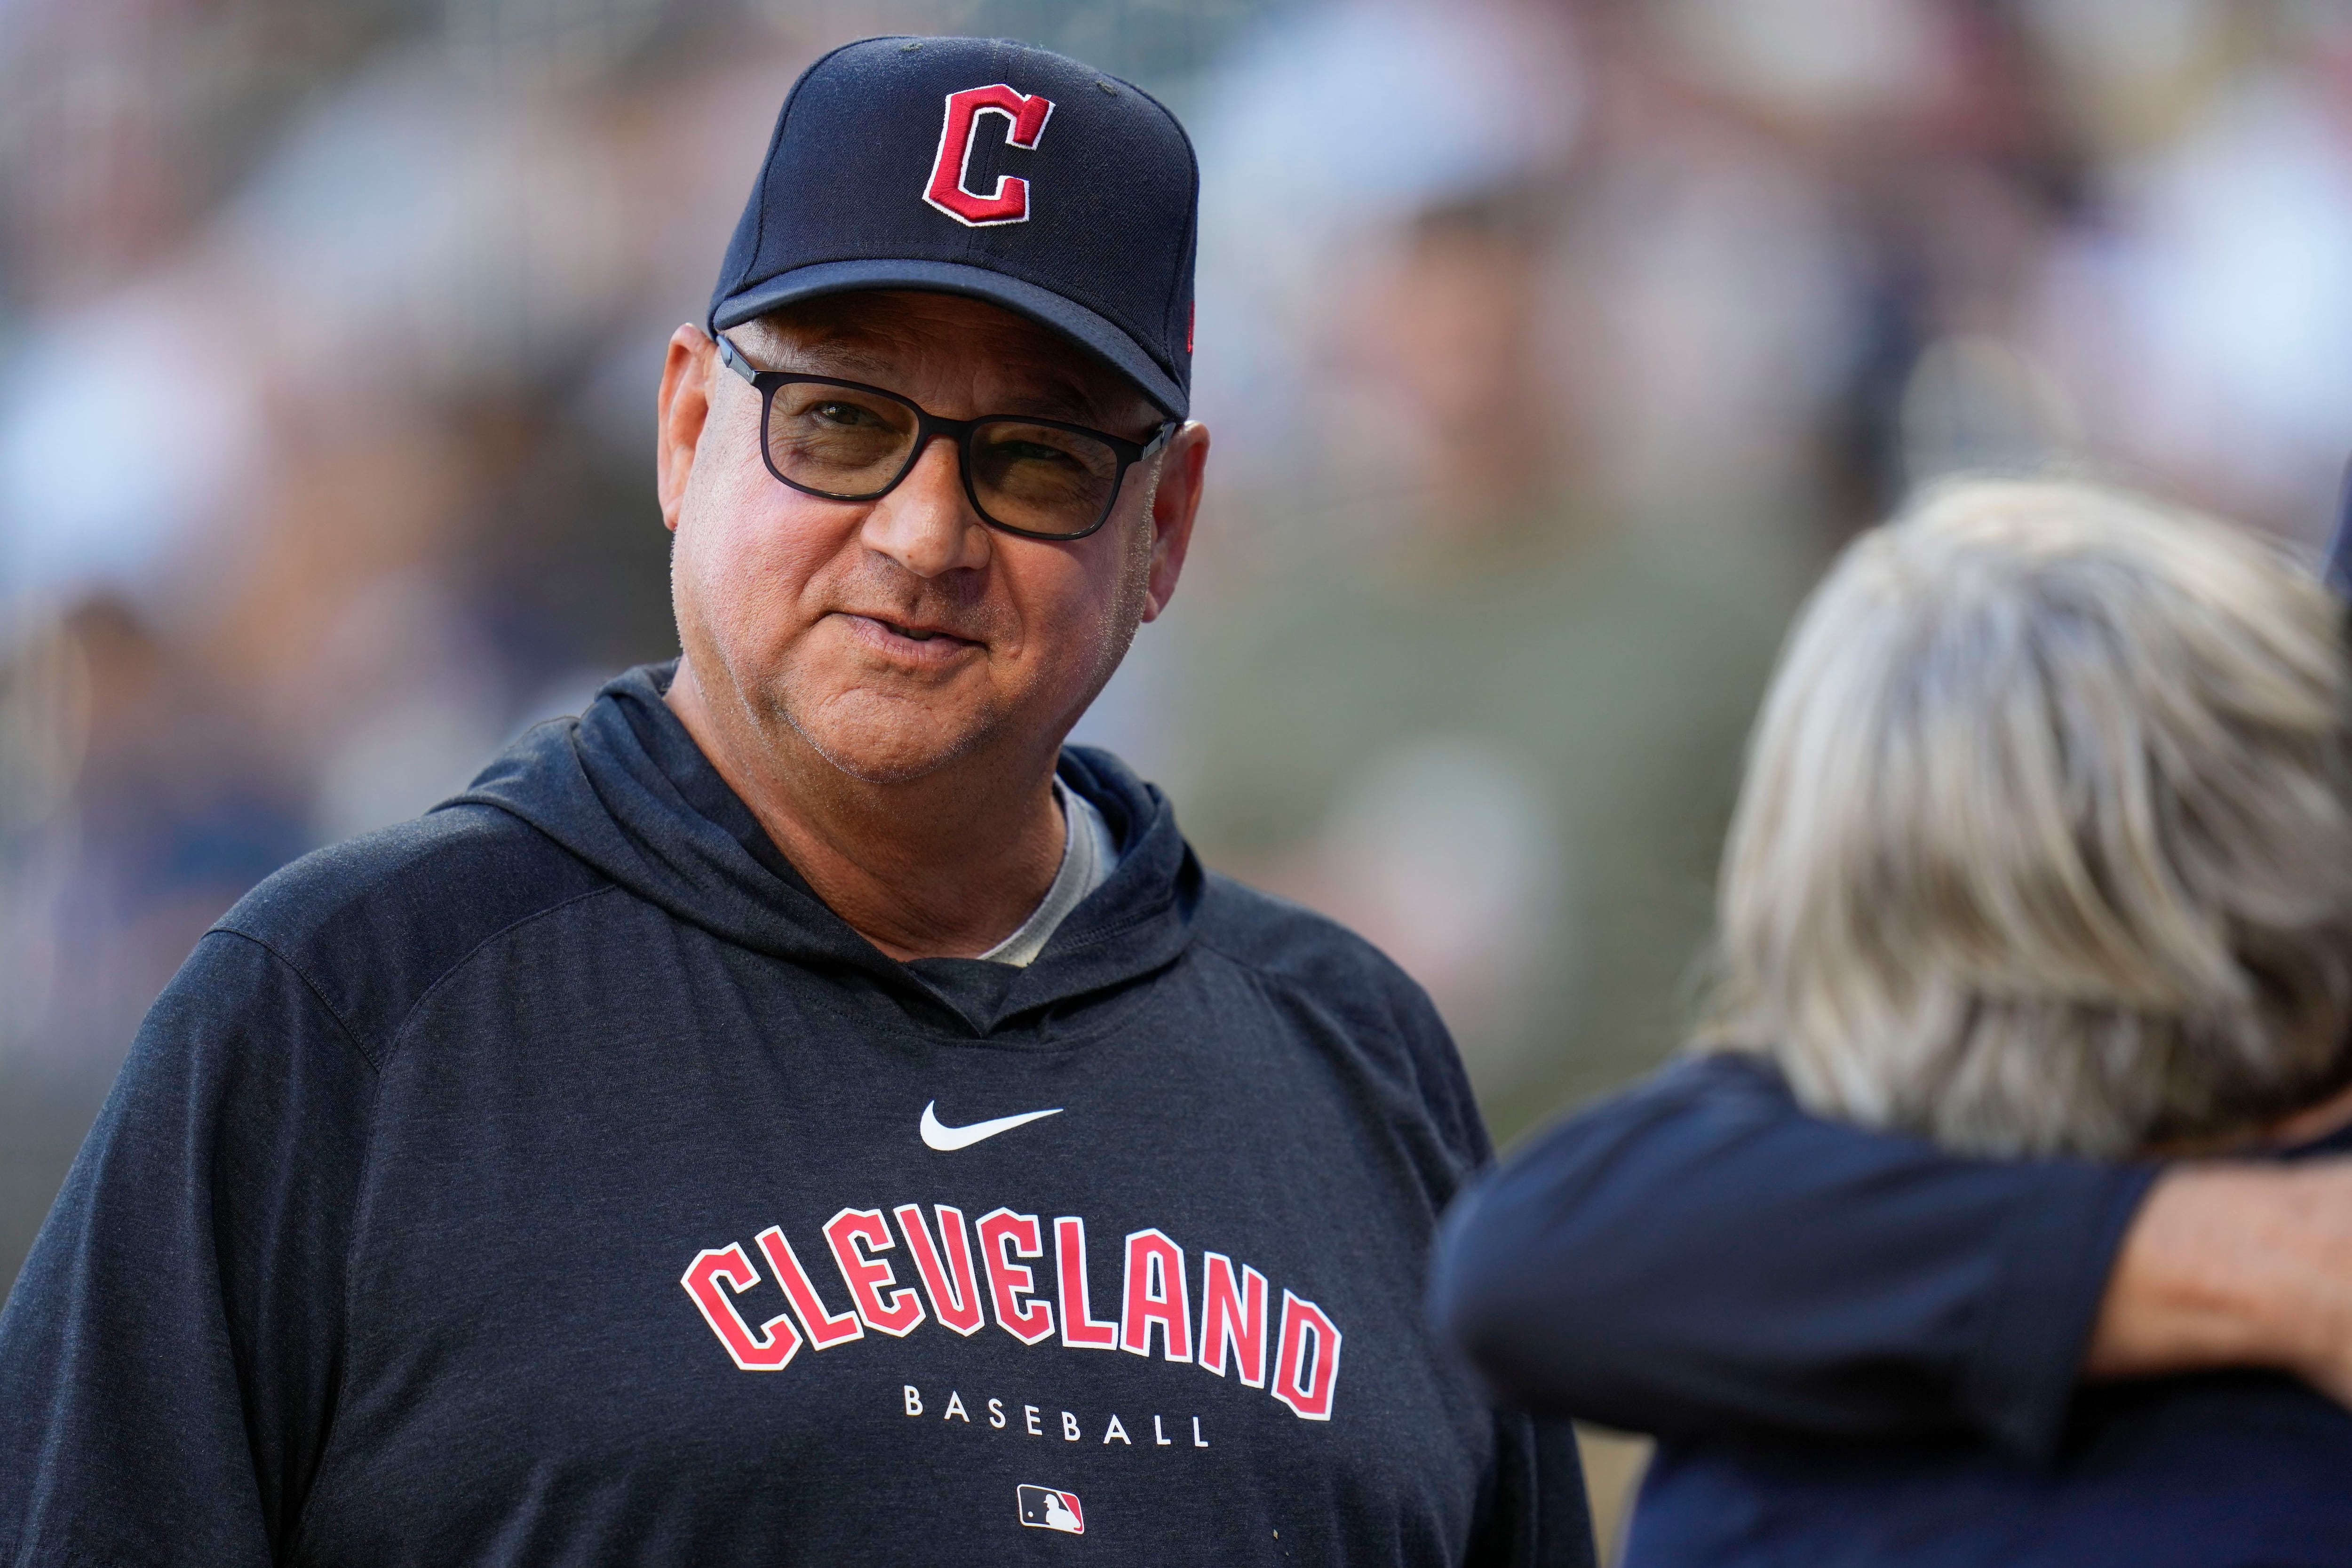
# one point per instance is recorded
(554, 1179)
(1860, 1349)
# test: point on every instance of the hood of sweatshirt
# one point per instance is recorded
(625, 788)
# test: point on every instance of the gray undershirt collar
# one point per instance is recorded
(1089, 855)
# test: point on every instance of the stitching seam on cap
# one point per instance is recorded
(1005, 57)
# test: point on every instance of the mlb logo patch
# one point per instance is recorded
(1043, 1508)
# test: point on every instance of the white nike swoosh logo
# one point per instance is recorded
(946, 1139)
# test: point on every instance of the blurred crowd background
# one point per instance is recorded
(1549, 347)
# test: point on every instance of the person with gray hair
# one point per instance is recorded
(2045, 854)
(2045, 845)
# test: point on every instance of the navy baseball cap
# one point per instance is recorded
(984, 167)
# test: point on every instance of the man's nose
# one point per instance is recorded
(927, 524)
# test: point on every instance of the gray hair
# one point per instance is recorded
(2046, 844)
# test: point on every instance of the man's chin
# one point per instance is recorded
(886, 768)
(896, 748)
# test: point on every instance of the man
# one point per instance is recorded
(796, 1112)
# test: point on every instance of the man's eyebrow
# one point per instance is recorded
(844, 359)
(1046, 396)
(1057, 399)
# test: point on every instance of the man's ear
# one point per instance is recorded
(679, 415)
(1175, 503)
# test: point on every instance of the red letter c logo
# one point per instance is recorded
(1010, 201)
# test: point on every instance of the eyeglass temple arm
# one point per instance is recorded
(734, 360)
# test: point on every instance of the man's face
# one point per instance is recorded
(895, 637)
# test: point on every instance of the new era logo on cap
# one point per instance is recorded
(1043, 1508)
(983, 167)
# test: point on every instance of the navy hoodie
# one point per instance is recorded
(555, 1179)
(1861, 1349)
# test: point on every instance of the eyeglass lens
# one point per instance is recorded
(842, 442)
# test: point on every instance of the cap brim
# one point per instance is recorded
(1081, 326)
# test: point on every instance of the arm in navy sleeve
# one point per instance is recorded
(1699, 1255)
(168, 1356)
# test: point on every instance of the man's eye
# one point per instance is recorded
(843, 413)
(1029, 452)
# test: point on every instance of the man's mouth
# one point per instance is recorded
(919, 634)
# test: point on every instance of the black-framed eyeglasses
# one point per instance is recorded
(842, 440)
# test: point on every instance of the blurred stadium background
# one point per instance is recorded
(1550, 346)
